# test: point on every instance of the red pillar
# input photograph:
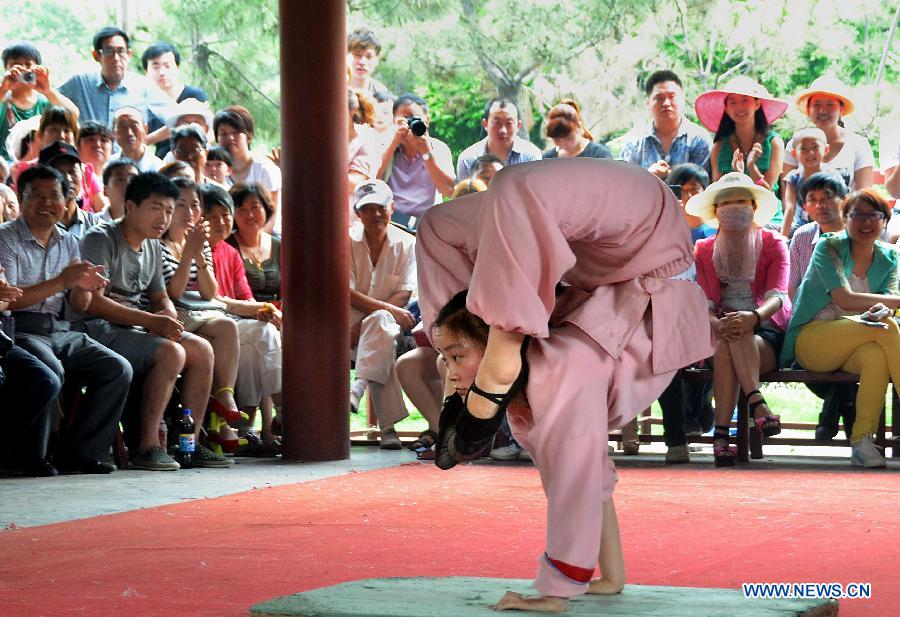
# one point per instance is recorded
(315, 387)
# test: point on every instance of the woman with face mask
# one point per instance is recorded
(743, 270)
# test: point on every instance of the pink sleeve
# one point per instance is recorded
(706, 277)
(779, 269)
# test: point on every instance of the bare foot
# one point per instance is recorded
(604, 587)
(513, 601)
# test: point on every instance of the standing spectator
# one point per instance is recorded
(822, 194)
(361, 163)
(130, 131)
(28, 389)
(64, 158)
(825, 102)
(162, 65)
(810, 148)
(233, 127)
(743, 271)
(45, 263)
(129, 250)
(363, 54)
(852, 272)
(670, 139)
(25, 91)
(569, 134)
(379, 135)
(501, 121)
(116, 176)
(94, 144)
(382, 279)
(417, 167)
(99, 95)
(890, 162)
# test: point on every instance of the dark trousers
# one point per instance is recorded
(671, 401)
(79, 360)
(28, 389)
(839, 399)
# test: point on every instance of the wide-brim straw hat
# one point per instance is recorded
(704, 204)
(710, 106)
(827, 86)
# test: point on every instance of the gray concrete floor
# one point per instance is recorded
(26, 502)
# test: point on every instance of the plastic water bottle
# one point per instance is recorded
(186, 440)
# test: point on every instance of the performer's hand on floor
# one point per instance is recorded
(513, 601)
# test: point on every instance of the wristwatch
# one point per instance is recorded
(426, 156)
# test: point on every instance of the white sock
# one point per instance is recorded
(356, 392)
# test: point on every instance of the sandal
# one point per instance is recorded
(724, 455)
(768, 426)
(230, 416)
(475, 434)
(425, 441)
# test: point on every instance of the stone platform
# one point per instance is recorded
(468, 597)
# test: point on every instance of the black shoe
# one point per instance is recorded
(86, 465)
(825, 433)
(39, 468)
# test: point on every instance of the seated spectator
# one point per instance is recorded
(467, 187)
(363, 53)
(825, 102)
(416, 166)
(852, 272)
(486, 167)
(130, 130)
(569, 134)
(188, 266)
(178, 169)
(382, 279)
(162, 65)
(259, 250)
(189, 145)
(116, 176)
(822, 194)
(98, 95)
(28, 389)
(233, 128)
(25, 91)
(810, 148)
(9, 204)
(259, 324)
(45, 263)
(94, 144)
(130, 251)
(743, 270)
(501, 122)
(218, 165)
(693, 180)
(63, 157)
(670, 139)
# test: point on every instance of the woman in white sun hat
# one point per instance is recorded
(825, 102)
(743, 270)
(741, 113)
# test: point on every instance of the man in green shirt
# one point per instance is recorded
(25, 90)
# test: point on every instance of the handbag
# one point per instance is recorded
(193, 301)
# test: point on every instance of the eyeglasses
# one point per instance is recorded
(865, 216)
(109, 52)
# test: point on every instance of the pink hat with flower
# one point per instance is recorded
(710, 105)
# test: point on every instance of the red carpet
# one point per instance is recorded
(689, 527)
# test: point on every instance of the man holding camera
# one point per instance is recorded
(417, 167)
(25, 90)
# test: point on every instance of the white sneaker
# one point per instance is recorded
(524, 455)
(866, 454)
(506, 453)
(678, 454)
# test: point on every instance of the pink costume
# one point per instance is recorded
(615, 234)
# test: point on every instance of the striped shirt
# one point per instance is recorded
(171, 263)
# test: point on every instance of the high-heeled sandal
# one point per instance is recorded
(228, 445)
(723, 455)
(768, 426)
(474, 434)
(229, 415)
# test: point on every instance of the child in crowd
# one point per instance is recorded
(116, 176)
(810, 146)
(218, 165)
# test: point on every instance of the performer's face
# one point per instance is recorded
(460, 355)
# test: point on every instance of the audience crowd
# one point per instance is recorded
(140, 255)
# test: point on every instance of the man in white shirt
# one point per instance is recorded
(382, 279)
(130, 131)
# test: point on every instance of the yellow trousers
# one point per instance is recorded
(872, 353)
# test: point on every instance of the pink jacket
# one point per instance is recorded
(772, 271)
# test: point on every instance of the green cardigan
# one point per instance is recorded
(829, 268)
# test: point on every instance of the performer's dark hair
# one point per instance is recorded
(456, 317)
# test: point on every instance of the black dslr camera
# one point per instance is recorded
(416, 125)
